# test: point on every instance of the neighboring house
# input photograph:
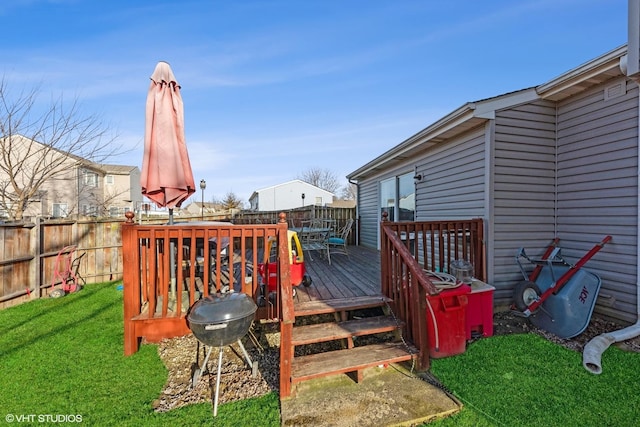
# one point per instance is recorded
(77, 186)
(289, 195)
(559, 159)
(122, 190)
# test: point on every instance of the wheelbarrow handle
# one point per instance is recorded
(605, 241)
(538, 268)
(568, 274)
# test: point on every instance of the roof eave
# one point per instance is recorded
(428, 134)
(586, 75)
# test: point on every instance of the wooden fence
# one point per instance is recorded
(29, 252)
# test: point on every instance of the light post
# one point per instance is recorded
(203, 185)
(303, 200)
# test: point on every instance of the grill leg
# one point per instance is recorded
(252, 365)
(197, 371)
(215, 401)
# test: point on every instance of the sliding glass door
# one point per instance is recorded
(398, 198)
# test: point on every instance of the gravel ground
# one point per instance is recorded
(236, 379)
(507, 323)
(237, 382)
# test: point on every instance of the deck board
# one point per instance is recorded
(347, 277)
(348, 360)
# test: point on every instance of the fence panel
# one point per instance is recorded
(15, 259)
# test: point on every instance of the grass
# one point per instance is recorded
(525, 380)
(65, 356)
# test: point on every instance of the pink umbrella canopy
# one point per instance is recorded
(166, 178)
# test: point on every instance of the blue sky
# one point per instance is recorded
(274, 88)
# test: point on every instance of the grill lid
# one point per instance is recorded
(221, 308)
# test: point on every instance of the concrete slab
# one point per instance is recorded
(387, 396)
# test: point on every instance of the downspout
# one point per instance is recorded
(592, 353)
(357, 218)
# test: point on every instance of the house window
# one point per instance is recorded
(115, 211)
(89, 210)
(109, 179)
(4, 212)
(60, 210)
(398, 195)
(90, 178)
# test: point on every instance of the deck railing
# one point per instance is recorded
(410, 248)
(168, 267)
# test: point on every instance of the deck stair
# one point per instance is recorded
(345, 336)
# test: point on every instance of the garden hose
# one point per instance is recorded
(444, 281)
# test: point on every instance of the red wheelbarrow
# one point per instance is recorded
(557, 296)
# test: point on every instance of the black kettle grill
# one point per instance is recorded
(219, 320)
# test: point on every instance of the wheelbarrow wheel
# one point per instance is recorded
(525, 293)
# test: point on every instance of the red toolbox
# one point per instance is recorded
(479, 320)
(446, 322)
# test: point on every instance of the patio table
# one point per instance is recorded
(313, 239)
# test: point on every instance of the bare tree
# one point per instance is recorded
(231, 201)
(349, 191)
(322, 178)
(43, 145)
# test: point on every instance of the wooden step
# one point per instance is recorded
(322, 332)
(310, 308)
(349, 360)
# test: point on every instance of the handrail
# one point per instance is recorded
(435, 244)
(407, 250)
(168, 267)
(407, 285)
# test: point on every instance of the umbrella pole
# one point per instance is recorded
(172, 262)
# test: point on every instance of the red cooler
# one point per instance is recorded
(446, 322)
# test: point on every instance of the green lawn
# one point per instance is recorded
(65, 357)
(525, 380)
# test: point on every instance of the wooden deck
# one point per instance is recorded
(346, 278)
(389, 279)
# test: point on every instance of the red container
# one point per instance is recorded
(480, 310)
(446, 322)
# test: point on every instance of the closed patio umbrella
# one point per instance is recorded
(166, 177)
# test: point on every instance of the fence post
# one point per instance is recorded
(36, 271)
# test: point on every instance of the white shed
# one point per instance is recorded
(289, 195)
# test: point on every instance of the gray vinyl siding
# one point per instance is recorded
(597, 192)
(368, 211)
(537, 171)
(453, 183)
(523, 190)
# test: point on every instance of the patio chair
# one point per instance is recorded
(338, 243)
